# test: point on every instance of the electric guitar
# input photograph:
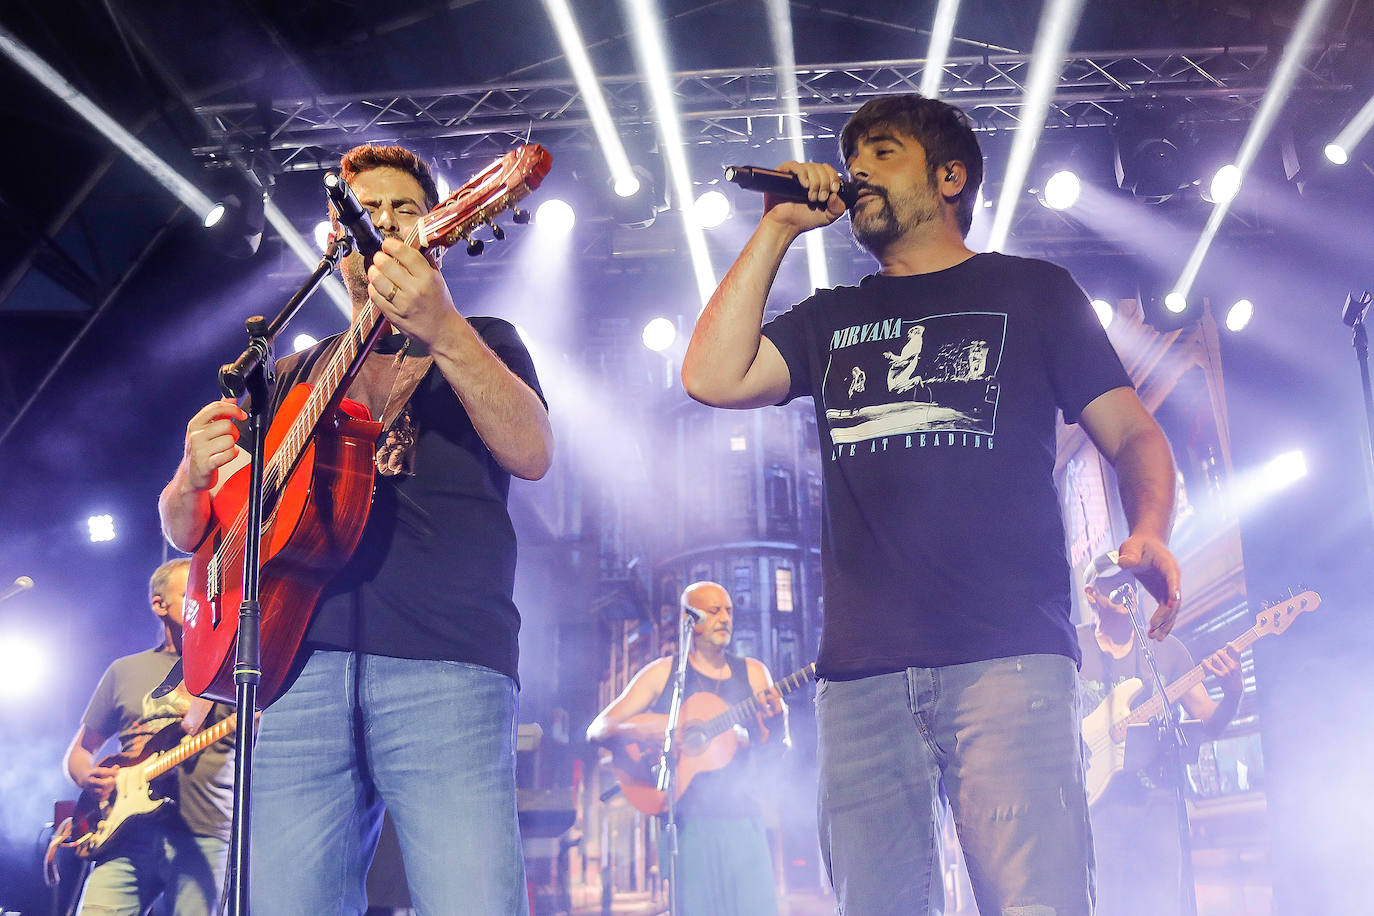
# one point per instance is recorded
(318, 473)
(706, 741)
(97, 824)
(1104, 729)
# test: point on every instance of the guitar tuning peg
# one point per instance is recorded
(521, 217)
(476, 247)
(496, 231)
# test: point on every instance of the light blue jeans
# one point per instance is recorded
(160, 857)
(433, 741)
(999, 740)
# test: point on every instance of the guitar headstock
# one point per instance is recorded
(1276, 618)
(495, 189)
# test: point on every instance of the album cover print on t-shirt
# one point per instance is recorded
(899, 375)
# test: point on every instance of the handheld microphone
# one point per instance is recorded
(696, 615)
(782, 184)
(23, 583)
(353, 216)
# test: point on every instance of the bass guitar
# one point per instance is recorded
(317, 473)
(706, 741)
(98, 823)
(1104, 729)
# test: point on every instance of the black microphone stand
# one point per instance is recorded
(250, 374)
(1353, 314)
(1174, 742)
(667, 762)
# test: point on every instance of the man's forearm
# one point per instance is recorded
(505, 411)
(1223, 714)
(725, 341)
(1145, 478)
(184, 511)
(79, 764)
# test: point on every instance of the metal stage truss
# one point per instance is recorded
(744, 106)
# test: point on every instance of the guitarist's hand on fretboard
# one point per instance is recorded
(1224, 665)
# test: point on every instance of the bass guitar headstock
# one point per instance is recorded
(1277, 617)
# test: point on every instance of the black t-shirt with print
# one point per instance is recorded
(434, 573)
(936, 397)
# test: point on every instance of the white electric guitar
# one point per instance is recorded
(1104, 729)
(97, 823)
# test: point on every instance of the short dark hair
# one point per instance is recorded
(369, 156)
(943, 130)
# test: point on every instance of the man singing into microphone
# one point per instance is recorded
(947, 657)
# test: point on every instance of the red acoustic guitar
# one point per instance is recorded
(317, 475)
(706, 742)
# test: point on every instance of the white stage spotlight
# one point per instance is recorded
(302, 342)
(1239, 315)
(213, 216)
(1337, 153)
(323, 229)
(627, 185)
(1061, 190)
(1105, 312)
(555, 217)
(659, 334)
(711, 209)
(1225, 184)
(24, 666)
(1284, 469)
(1176, 302)
(101, 527)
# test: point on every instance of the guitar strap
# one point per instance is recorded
(396, 450)
(396, 446)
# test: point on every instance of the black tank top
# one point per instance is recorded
(723, 792)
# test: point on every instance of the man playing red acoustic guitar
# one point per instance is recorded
(724, 864)
(403, 695)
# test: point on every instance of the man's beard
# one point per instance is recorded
(355, 277)
(354, 272)
(875, 231)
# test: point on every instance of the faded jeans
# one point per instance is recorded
(999, 740)
(159, 858)
(432, 740)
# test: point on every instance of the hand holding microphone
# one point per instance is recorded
(785, 185)
(815, 184)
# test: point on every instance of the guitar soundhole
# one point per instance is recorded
(694, 742)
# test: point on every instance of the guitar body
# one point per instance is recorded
(308, 536)
(698, 752)
(1104, 737)
(97, 826)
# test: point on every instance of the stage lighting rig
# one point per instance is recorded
(1154, 153)
(236, 222)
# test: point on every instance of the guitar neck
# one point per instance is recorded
(1155, 705)
(745, 710)
(188, 748)
(329, 387)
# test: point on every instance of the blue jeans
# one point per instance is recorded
(998, 740)
(433, 741)
(725, 865)
(160, 857)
